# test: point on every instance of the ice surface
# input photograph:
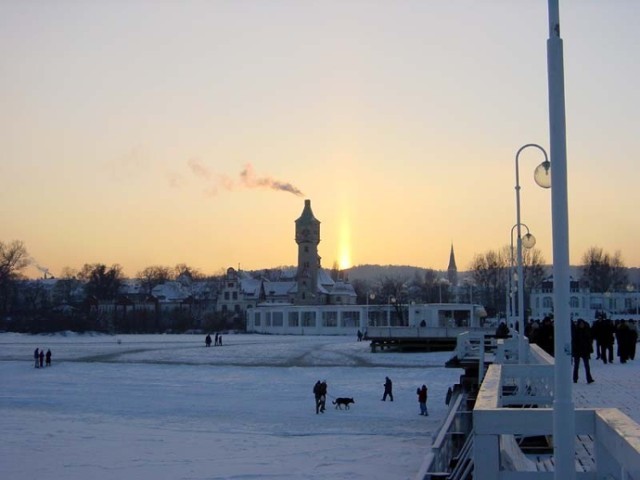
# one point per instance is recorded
(165, 407)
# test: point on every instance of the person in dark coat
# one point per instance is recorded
(36, 357)
(545, 336)
(607, 330)
(388, 389)
(48, 358)
(323, 395)
(41, 358)
(317, 388)
(581, 348)
(207, 340)
(502, 331)
(422, 400)
(622, 338)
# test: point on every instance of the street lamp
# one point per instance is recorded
(441, 282)
(528, 242)
(390, 300)
(370, 296)
(542, 176)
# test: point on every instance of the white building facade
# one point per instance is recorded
(586, 304)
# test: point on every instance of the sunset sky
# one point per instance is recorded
(163, 132)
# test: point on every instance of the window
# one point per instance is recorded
(234, 295)
(350, 319)
(547, 302)
(256, 320)
(329, 319)
(574, 302)
(294, 321)
(277, 319)
(308, 319)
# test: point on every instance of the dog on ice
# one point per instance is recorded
(340, 401)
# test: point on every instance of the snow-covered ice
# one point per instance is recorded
(165, 407)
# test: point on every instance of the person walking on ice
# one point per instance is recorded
(388, 389)
(422, 400)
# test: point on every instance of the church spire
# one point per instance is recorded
(452, 270)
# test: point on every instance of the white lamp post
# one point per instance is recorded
(371, 296)
(390, 300)
(542, 176)
(564, 431)
(528, 242)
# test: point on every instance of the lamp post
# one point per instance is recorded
(371, 296)
(563, 410)
(528, 242)
(542, 176)
(390, 300)
(441, 282)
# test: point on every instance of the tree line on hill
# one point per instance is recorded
(486, 282)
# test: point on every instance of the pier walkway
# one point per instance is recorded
(500, 421)
(616, 386)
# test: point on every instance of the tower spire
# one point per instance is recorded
(452, 270)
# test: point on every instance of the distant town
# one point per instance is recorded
(181, 299)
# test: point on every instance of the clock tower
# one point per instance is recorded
(307, 238)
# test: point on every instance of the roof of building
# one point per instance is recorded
(170, 292)
(343, 289)
(307, 217)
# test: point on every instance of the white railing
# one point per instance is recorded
(449, 441)
(615, 437)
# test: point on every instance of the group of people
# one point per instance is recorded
(624, 332)
(40, 358)
(604, 332)
(320, 395)
(217, 340)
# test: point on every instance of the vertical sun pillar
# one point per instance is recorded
(307, 238)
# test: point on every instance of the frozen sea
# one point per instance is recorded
(166, 407)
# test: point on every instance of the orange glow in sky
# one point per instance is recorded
(345, 245)
(127, 138)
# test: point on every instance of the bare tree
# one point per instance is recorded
(182, 269)
(153, 276)
(534, 271)
(13, 259)
(66, 286)
(102, 282)
(489, 272)
(602, 271)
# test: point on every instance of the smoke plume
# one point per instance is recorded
(247, 179)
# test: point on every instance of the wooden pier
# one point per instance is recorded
(500, 422)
